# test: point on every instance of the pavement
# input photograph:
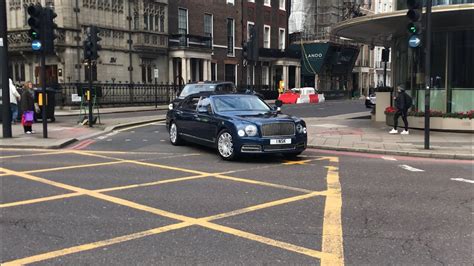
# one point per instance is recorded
(347, 132)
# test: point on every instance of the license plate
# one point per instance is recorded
(280, 141)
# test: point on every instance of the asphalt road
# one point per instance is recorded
(129, 197)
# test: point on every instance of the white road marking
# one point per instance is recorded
(389, 158)
(463, 180)
(127, 140)
(145, 140)
(162, 140)
(109, 139)
(409, 168)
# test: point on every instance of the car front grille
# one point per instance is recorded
(284, 147)
(278, 129)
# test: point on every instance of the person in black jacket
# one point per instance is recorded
(27, 104)
(403, 102)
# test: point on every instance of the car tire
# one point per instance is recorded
(175, 139)
(291, 155)
(225, 146)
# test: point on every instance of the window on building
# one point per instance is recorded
(182, 21)
(208, 27)
(162, 19)
(267, 2)
(151, 22)
(230, 2)
(250, 27)
(266, 36)
(145, 21)
(265, 75)
(283, 4)
(281, 39)
(230, 73)
(230, 36)
(251, 1)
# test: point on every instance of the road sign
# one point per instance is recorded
(36, 45)
(156, 73)
(414, 41)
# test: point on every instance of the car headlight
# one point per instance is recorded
(300, 129)
(170, 106)
(241, 133)
(251, 130)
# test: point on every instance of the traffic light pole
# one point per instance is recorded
(427, 74)
(91, 117)
(6, 117)
(44, 115)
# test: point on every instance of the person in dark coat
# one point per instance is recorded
(403, 102)
(27, 104)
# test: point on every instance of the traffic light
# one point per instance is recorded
(49, 30)
(36, 26)
(91, 44)
(414, 14)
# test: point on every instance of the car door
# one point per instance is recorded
(206, 123)
(185, 115)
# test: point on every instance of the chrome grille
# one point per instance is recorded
(278, 129)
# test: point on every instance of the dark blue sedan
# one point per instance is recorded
(235, 124)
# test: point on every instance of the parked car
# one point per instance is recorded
(370, 101)
(212, 86)
(299, 95)
(236, 124)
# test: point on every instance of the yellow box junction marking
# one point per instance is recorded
(332, 253)
(332, 225)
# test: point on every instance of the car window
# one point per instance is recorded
(227, 87)
(195, 88)
(204, 104)
(190, 104)
(239, 103)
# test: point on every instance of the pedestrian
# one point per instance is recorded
(28, 108)
(14, 98)
(403, 102)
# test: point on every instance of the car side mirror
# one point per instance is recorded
(278, 103)
(204, 110)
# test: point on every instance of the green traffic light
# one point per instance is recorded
(412, 28)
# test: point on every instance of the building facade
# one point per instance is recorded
(382, 6)
(134, 40)
(452, 61)
(275, 62)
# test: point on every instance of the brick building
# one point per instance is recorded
(275, 62)
(205, 40)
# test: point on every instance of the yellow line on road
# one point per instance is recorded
(255, 182)
(98, 244)
(32, 155)
(38, 200)
(332, 224)
(265, 205)
(186, 221)
(302, 162)
(268, 241)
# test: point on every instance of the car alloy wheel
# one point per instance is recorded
(225, 145)
(174, 135)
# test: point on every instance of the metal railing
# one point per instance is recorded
(119, 94)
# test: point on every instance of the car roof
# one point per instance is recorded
(220, 93)
(210, 83)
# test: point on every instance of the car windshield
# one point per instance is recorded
(195, 88)
(239, 103)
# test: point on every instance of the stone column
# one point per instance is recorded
(183, 70)
(286, 76)
(209, 69)
(198, 69)
(188, 69)
(170, 70)
(298, 77)
(205, 70)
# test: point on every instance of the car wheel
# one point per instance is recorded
(225, 145)
(291, 155)
(175, 139)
